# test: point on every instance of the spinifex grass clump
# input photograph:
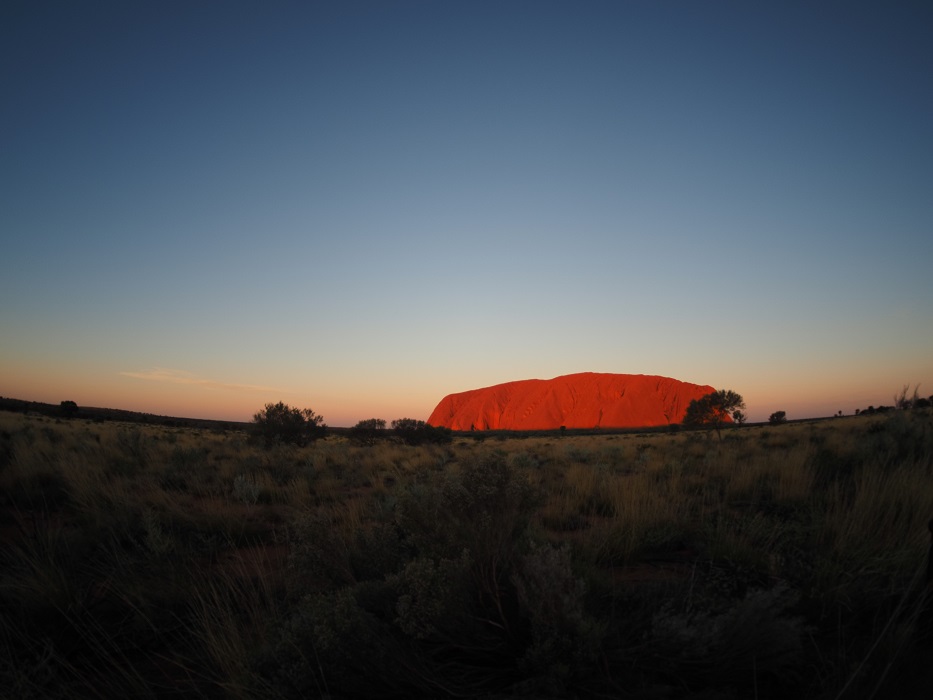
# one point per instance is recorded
(143, 561)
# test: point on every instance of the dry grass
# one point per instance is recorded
(170, 558)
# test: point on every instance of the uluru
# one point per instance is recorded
(584, 400)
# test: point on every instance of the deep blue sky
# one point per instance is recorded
(363, 206)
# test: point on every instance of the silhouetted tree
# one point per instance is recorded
(714, 410)
(417, 432)
(368, 431)
(777, 418)
(281, 423)
(69, 409)
(739, 417)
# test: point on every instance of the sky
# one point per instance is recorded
(361, 207)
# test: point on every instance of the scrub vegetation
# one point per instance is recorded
(780, 561)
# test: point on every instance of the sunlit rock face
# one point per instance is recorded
(586, 400)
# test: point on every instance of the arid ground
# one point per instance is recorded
(781, 561)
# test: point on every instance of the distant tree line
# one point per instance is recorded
(871, 410)
(281, 423)
(70, 409)
(417, 432)
(903, 401)
(406, 430)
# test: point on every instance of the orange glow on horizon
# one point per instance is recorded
(183, 394)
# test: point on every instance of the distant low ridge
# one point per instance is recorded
(585, 400)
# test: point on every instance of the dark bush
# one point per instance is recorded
(368, 431)
(903, 436)
(328, 644)
(565, 640)
(417, 432)
(281, 423)
(715, 410)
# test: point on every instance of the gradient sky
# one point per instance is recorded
(360, 207)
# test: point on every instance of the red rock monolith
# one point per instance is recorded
(585, 400)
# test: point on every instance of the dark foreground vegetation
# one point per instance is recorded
(156, 561)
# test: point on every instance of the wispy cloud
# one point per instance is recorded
(176, 376)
